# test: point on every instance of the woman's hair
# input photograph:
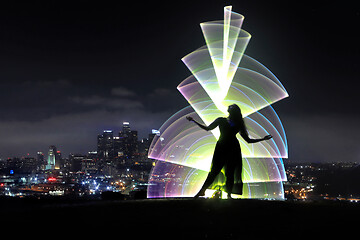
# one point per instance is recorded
(236, 116)
(235, 113)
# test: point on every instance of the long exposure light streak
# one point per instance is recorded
(221, 75)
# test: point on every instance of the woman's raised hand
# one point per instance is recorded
(267, 137)
(189, 118)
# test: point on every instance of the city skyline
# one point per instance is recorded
(70, 71)
(53, 149)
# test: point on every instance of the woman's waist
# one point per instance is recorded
(228, 140)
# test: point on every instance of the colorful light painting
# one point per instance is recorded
(221, 75)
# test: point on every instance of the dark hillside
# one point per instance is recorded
(178, 218)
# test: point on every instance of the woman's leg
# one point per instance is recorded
(229, 174)
(215, 170)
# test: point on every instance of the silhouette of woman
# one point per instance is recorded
(227, 150)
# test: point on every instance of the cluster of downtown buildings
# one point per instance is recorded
(120, 164)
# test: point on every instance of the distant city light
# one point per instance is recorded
(80, 174)
(51, 179)
(154, 131)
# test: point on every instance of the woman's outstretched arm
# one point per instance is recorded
(213, 125)
(245, 135)
(249, 140)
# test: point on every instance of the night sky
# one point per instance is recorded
(70, 70)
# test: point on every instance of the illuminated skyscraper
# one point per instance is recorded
(40, 160)
(122, 147)
(58, 161)
(105, 145)
(126, 127)
(128, 141)
(51, 158)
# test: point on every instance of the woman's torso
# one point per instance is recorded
(228, 130)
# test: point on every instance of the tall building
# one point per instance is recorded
(75, 161)
(105, 145)
(28, 164)
(126, 127)
(128, 141)
(120, 148)
(58, 160)
(40, 160)
(51, 158)
(145, 143)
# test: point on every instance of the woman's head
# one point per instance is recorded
(234, 110)
(235, 113)
(235, 117)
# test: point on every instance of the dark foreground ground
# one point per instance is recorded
(178, 219)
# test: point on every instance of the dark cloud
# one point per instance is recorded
(163, 92)
(112, 103)
(122, 92)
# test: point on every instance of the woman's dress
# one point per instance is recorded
(227, 157)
